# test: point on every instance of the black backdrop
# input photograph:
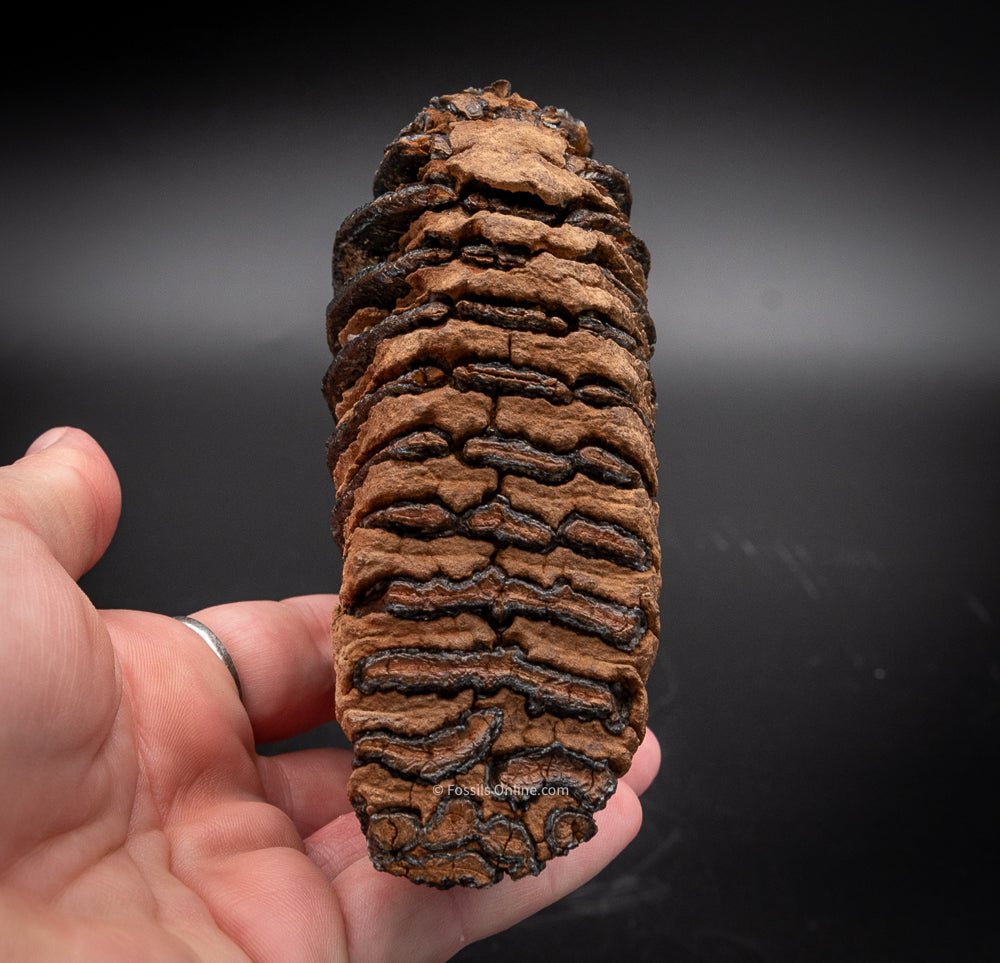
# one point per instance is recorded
(819, 191)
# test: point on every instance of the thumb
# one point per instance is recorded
(65, 490)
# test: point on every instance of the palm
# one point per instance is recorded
(137, 820)
(154, 829)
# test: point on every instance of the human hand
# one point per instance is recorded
(137, 820)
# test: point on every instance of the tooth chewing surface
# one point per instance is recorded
(495, 476)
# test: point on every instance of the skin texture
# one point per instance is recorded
(137, 820)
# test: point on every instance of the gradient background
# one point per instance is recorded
(819, 187)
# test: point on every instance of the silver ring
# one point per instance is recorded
(215, 643)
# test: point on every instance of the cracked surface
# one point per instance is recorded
(495, 474)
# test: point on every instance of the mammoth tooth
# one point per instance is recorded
(495, 480)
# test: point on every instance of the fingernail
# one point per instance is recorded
(46, 440)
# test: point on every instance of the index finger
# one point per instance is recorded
(282, 651)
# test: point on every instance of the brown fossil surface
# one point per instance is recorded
(495, 477)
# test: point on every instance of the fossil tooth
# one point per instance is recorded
(495, 479)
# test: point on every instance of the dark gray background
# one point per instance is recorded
(819, 189)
